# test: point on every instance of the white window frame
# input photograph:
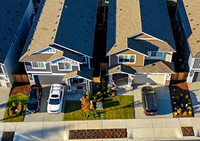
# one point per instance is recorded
(38, 67)
(64, 69)
(156, 54)
(127, 62)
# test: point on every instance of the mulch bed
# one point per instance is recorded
(176, 89)
(20, 88)
(97, 133)
(8, 136)
(187, 131)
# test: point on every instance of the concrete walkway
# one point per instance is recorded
(4, 94)
(138, 129)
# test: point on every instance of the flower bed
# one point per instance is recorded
(180, 100)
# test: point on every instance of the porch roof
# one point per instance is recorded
(84, 72)
(149, 67)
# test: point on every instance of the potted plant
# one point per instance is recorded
(113, 91)
(190, 112)
(185, 113)
(99, 96)
(179, 111)
(94, 98)
(109, 92)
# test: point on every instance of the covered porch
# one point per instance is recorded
(78, 81)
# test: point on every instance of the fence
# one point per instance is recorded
(179, 76)
(20, 78)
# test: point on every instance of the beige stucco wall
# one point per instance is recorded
(167, 56)
(139, 58)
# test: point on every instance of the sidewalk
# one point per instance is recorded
(138, 129)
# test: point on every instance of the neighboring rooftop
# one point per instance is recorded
(132, 17)
(149, 66)
(12, 12)
(70, 24)
(190, 12)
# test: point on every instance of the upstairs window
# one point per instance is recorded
(156, 54)
(38, 65)
(126, 58)
(64, 66)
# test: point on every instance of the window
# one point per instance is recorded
(126, 59)
(156, 54)
(38, 65)
(64, 66)
(84, 59)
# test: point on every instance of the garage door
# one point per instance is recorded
(196, 77)
(150, 78)
(48, 79)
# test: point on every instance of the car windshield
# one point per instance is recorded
(54, 101)
(32, 100)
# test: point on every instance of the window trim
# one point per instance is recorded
(38, 67)
(156, 54)
(127, 62)
(64, 69)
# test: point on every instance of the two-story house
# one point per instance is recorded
(16, 17)
(188, 20)
(140, 42)
(60, 45)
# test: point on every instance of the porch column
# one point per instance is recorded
(110, 80)
(68, 85)
(130, 78)
(87, 85)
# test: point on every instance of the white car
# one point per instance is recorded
(55, 100)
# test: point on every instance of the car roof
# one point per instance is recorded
(151, 101)
(148, 90)
(55, 91)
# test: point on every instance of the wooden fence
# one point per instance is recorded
(179, 76)
(20, 78)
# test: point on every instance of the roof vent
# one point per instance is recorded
(4, 38)
(56, 22)
(54, 30)
(16, 11)
(118, 68)
(191, 19)
(88, 12)
(58, 15)
(52, 37)
(20, 4)
(86, 30)
(85, 40)
(13, 20)
(59, 9)
(198, 41)
(120, 9)
(153, 64)
(90, 5)
(61, 3)
(160, 9)
(8, 12)
(115, 45)
(189, 13)
(143, 13)
(187, 5)
(28, 49)
(9, 29)
(194, 28)
(18, 15)
(197, 24)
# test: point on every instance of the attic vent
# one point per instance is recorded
(58, 15)
(120, 9)
(61, 3)
(198, 41)
(52, 37)
(197, 24)
(189, 13)
(59, 9)
(54, 30)
(191, 19)
(115, 45)
(194, 28)
(118, 68)
(56, 22)
(187, 5)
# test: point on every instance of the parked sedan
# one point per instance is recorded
(149, 100)
(34, 99)
(55, 100)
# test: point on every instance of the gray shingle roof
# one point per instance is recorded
(11, 14)
(69, 54)
(77, 25)
(136, 16)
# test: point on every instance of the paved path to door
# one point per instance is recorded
(138, 129)
(4, 95)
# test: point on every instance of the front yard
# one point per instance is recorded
(118, 107)
(20, 97)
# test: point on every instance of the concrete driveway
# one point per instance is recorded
(195, 97)
(4, 94)
(163, 99)
(42, 115)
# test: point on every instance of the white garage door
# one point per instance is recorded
(150, 78)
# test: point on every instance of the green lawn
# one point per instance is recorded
(118, 107)
(16, 99)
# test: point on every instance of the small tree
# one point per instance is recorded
(85, 104)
